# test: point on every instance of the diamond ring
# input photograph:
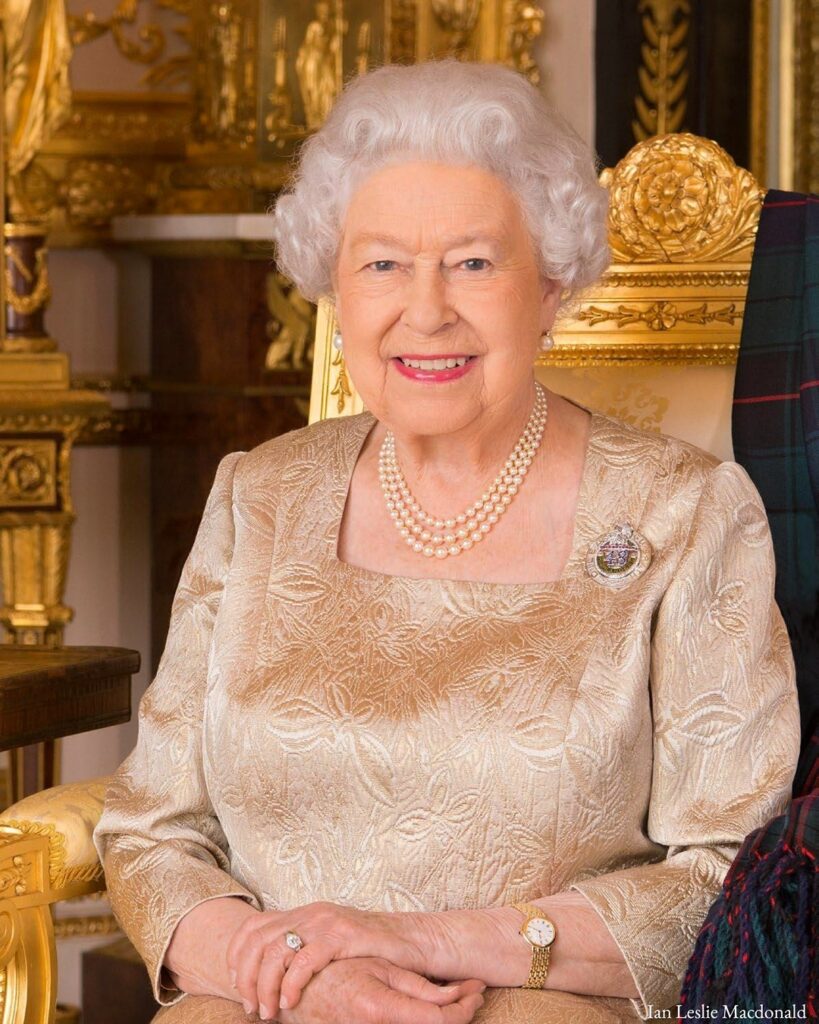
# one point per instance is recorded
(292, 940)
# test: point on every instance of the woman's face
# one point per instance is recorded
(435, 264)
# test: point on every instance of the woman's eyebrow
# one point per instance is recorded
(378, 238)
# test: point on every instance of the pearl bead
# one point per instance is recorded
(471, 524)
(465, 545)
(436, 538)
(425, 535)
(449, 538)
(486, 527)
(492, 518)
(476, 536)
(454, 549)
(417, 546)
(449, 523)
(506, 499)
(441, 552)
(429, 552)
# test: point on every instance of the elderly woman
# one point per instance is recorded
(476, 687)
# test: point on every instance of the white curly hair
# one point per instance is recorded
(455, 112)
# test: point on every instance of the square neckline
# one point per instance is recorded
(568, 573)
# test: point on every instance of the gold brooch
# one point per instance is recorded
(619, 556)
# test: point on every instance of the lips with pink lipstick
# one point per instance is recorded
(435, 368)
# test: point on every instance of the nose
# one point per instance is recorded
(427, 309)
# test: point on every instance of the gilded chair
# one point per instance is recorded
(682, 225)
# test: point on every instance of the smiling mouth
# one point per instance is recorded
(440, 363)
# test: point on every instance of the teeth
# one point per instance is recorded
(435, 364)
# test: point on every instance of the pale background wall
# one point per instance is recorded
(100, 315)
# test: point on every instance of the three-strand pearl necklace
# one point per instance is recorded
(431, 536)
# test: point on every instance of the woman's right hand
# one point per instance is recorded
(371, 990)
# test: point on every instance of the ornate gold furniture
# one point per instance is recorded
(682, 226)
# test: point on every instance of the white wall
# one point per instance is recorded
(565, 54)
(100, 317)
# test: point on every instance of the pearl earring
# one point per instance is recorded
(337, 342)
(547, 342)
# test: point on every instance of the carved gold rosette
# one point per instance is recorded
(682, 225)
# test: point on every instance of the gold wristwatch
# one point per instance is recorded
(540, 933)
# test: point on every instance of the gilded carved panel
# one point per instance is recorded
(220, 93)
(28, 473)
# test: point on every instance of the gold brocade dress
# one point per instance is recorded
(318, 731)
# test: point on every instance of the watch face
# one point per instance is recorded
(540, 932)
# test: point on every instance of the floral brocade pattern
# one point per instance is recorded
(320, 731)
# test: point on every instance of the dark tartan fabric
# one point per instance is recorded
(758, 945)
(776, 417)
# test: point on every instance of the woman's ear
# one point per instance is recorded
(549, 301)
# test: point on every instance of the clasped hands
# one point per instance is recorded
(385, 956)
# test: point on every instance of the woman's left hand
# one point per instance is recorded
(268, 974)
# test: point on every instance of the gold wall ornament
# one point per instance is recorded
(151, 39)
(224, 81)
(525, 27)
(26, 290)
(291, 327)
(806, 96)
(279, 99)
(36, 91)
(363, 45)
(318, 62)
(223, 112)
(760, 72)
(28, 474)
(663, 75)
(40, 292)
(681, 198)
(458, 18)
(96, 190)
(403, 48)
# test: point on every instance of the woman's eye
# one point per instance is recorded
(476, 263)
(383, 265)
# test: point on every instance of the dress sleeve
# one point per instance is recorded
(159, 840)
(725, 734)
